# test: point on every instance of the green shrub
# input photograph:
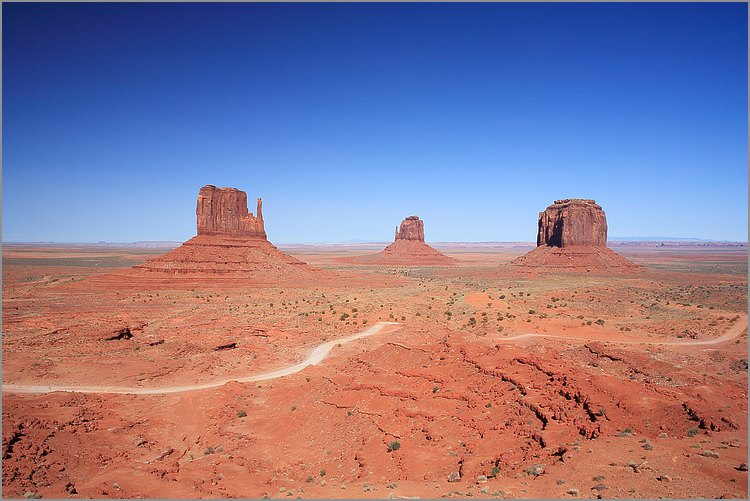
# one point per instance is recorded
(394, 446)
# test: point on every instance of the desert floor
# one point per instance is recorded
(487, 383)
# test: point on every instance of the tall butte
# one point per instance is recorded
(408, 248)
(572, 237)
(231, 246)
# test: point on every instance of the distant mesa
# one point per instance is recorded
(407, 249)
(231, 246)
(572, 236)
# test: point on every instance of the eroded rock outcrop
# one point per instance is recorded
(572, 221)
(412, 228)
(572, 237)
(231, 246)
(407, 249)
(223, 211)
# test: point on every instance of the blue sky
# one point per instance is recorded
(346, 118)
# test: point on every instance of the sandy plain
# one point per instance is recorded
(621, 391)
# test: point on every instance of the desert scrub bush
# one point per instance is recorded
(535, 471)
(241, 413)
(692, 432)
(531, 312)
(435, 389)
(495, 470)
(344, 316)
(394, 446)
(322, 473)
(599, 322)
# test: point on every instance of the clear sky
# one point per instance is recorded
(346, 118)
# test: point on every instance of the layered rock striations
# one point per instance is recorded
(573, 221)
(231, 246)
(223, 211)
(408, 248)
(412, 228)
(572, 236)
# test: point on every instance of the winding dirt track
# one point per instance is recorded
(317, 355)
(733, 332)
(320, 352)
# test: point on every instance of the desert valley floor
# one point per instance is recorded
(628, 386)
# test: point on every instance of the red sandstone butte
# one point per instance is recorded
(412, 228)
(231, 246)
(223, 211)
(573, 221)
(572, 237)
(408, 248)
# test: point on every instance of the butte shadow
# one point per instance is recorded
(407, 249)
(572, 237)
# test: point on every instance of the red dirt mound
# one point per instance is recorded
(577, 259)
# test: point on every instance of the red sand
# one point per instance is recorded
(599, 405)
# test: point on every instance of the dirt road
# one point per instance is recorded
(320, 352)
(316, 355)
(733, 332)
